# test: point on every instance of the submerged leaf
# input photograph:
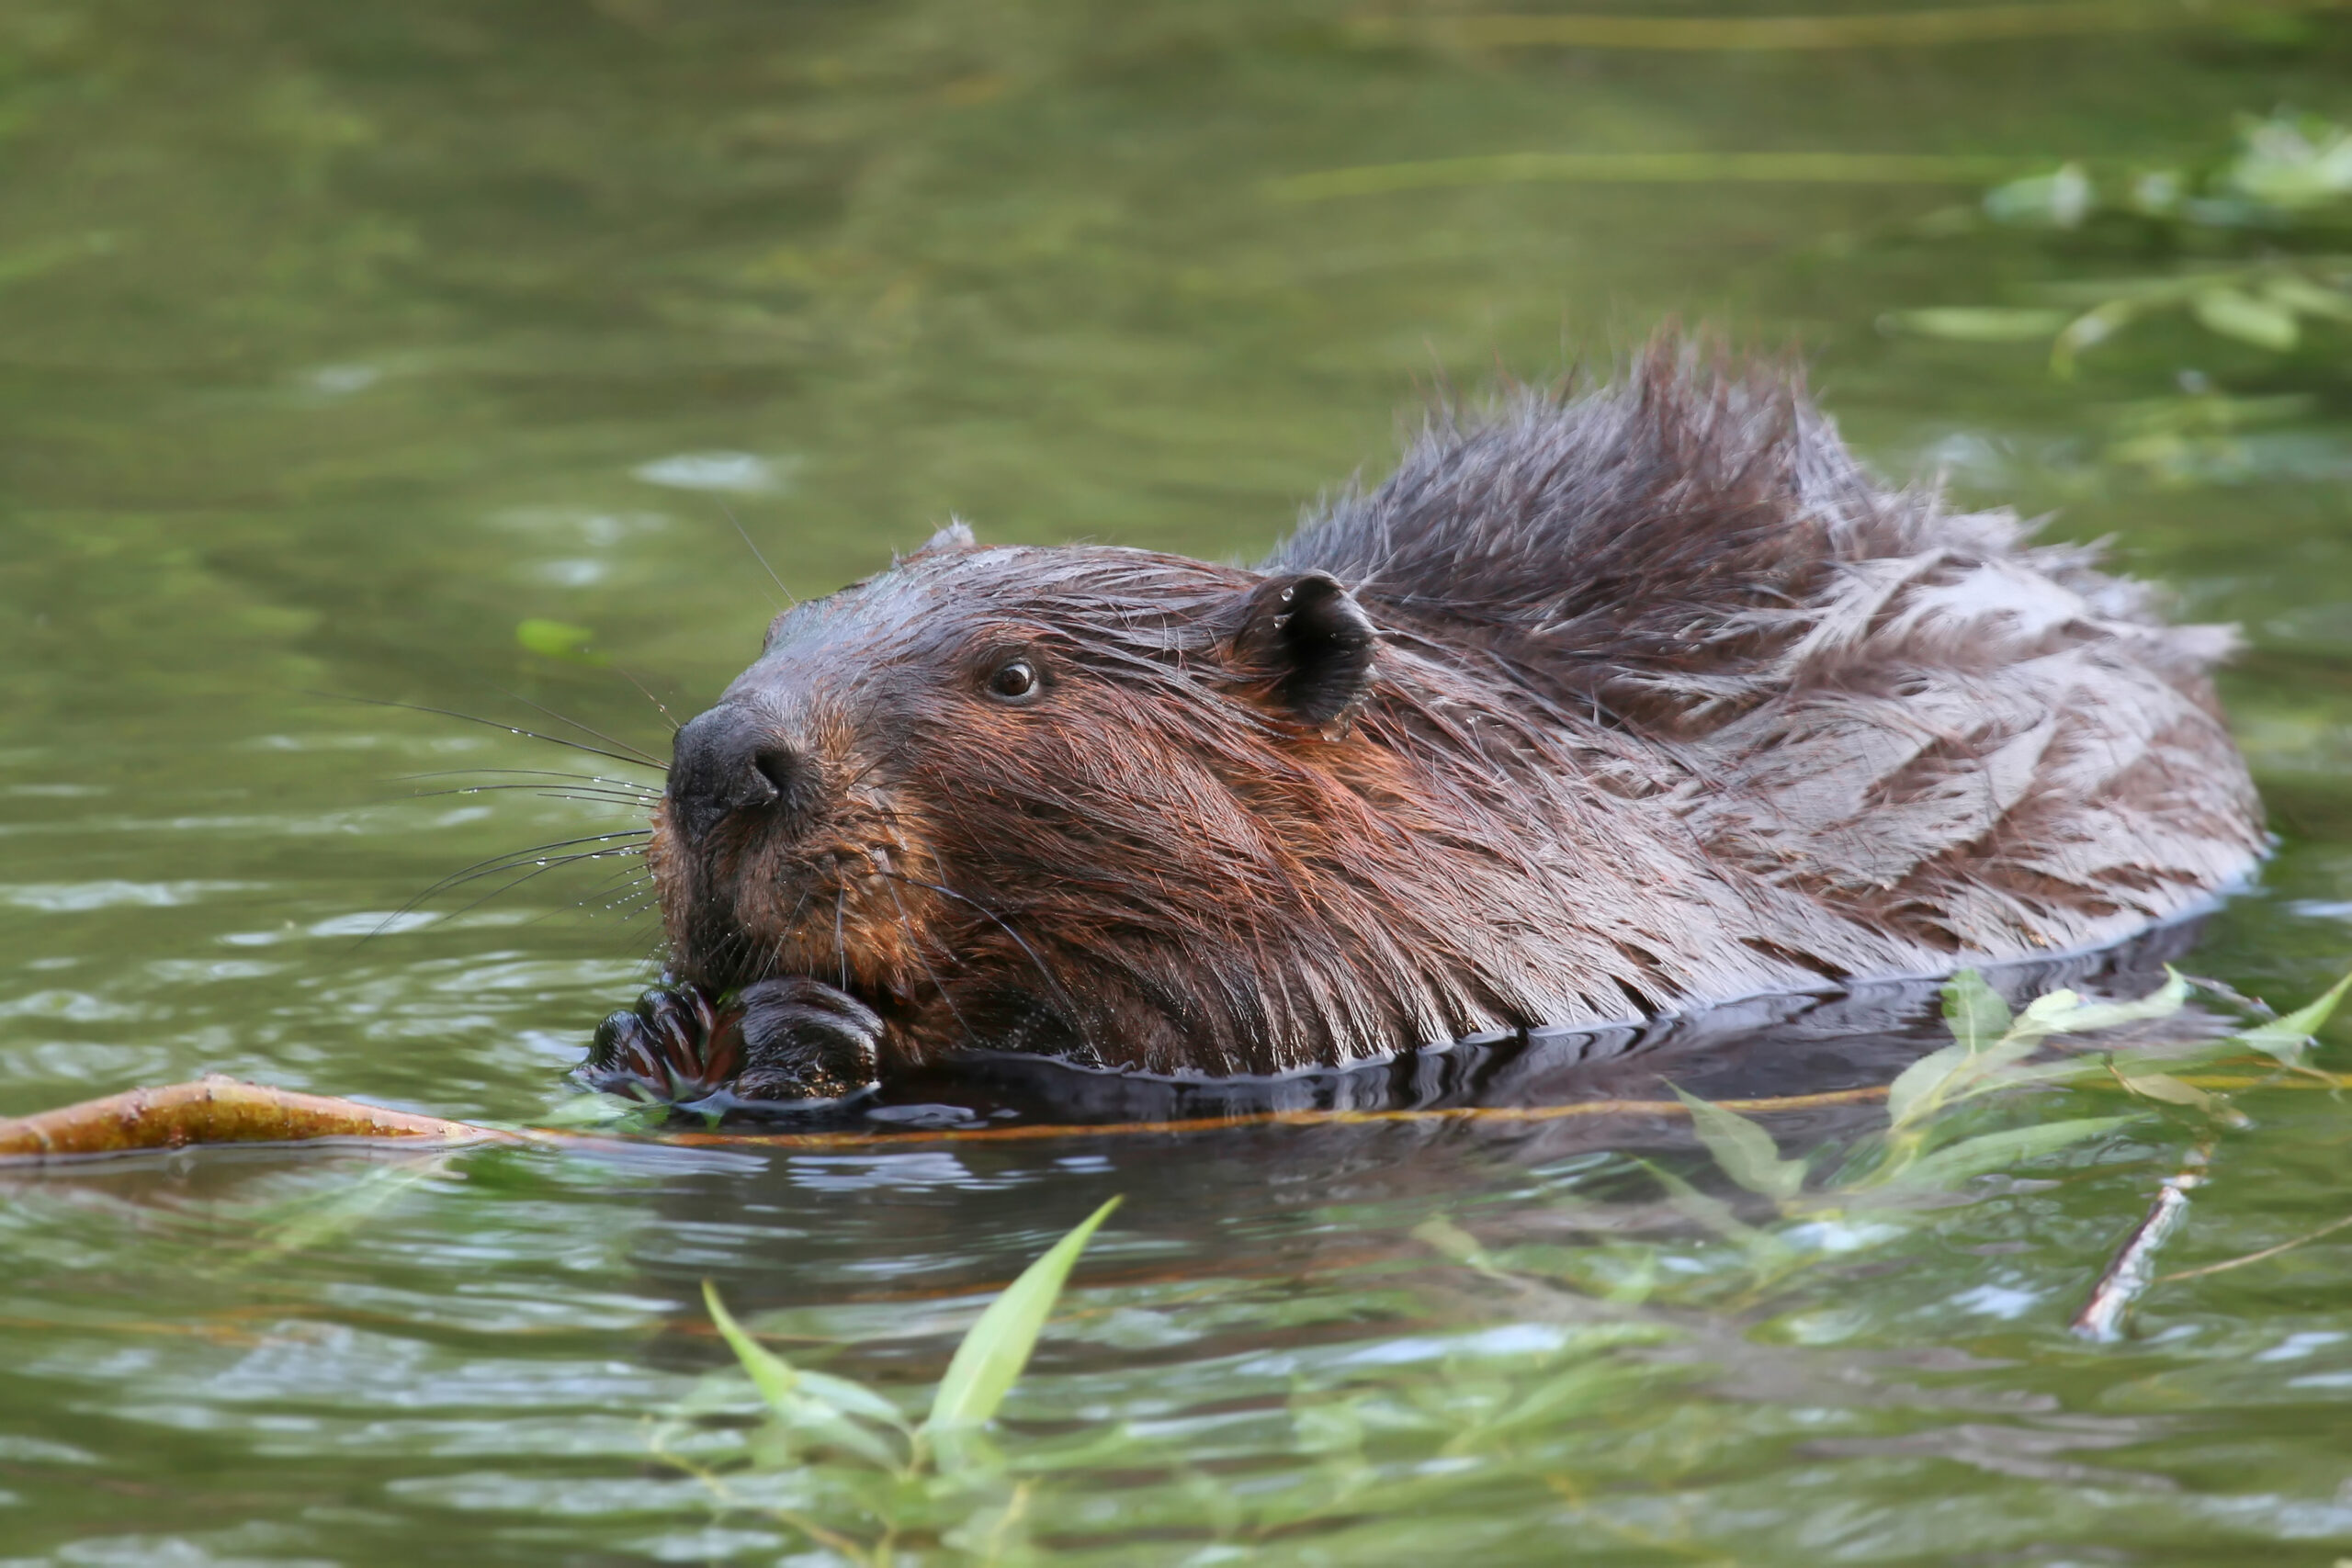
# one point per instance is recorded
(2287, 1038)
(1443, 1236)
(1982, 324)
(2095, 325)
(557, 640)
(998, 1346)
(770, 1372)
(1950, 1165)
(2233, 314)
(1975, 1010)
(1765, 1250)
(1921, 1086)
(799, 1400)
(2292, 292)
(1744, 1149)
(2165, 1087)
(2060, 199)
(2064, 1012)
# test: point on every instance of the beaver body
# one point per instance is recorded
(1602, 708)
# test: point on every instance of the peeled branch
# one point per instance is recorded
(214, 1111)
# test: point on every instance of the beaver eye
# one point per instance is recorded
(1015, 681)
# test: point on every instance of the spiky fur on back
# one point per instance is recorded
(1970, 745)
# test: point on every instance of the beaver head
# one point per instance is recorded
(1020, 796)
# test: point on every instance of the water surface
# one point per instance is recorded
(337, 342)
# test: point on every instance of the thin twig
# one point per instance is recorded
(164, 1115)
(1943, 24)
(2255, 1256)
(2131, 1270)
(1645, 168)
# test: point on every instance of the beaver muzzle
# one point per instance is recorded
(742, 795)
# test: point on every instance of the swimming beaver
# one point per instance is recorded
(1603, 706)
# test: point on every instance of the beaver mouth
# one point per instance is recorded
(838, 915)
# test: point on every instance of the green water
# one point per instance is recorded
(337, 341)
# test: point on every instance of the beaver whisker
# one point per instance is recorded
(500, 724)
(806, 894)
(650, 792)
(608, 887)
(514, 861)
(537, 871)
(863, 773)
(659, 706)
(840, 944)
(508, 860)
(748, 544)
(628, 745)
(1002, 924)
(620, 883)
(915, 941)
(539, 863)
(592, 797)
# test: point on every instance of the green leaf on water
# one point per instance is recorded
(1765, 1250)
(807, 1404)
(1982, 324)
(2095, 325)
(770, 1373)
(1974, 1011)
(2288, 1038)
(2300, 295)
(2234, 313)
(1954, 1164)
(1920, 1088)
(1979, 1020)
(604, 1113)
(2064, 1012)
(998, 1346)
(558, 640)
(2164, 1086)
(2060, 199)
(1744, 1149)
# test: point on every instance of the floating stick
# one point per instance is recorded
(215, 1110)
(2132, 1269)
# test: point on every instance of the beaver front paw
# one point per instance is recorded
(673, 1045)
(803, 1040)
(785, 1040)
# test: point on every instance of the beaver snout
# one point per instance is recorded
(733, 761)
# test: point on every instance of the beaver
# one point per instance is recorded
(1612, 704)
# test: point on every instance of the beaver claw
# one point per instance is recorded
(788, 1039)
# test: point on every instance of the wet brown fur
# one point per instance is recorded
(1670, 704)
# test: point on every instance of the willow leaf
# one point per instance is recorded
(998, 1346)
(2286, 1038)
(1744, 1149)
(1975, 1011)
(1950, 1165)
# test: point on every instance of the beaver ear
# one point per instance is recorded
(1307, 636)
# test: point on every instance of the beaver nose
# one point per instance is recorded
(727, 762)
